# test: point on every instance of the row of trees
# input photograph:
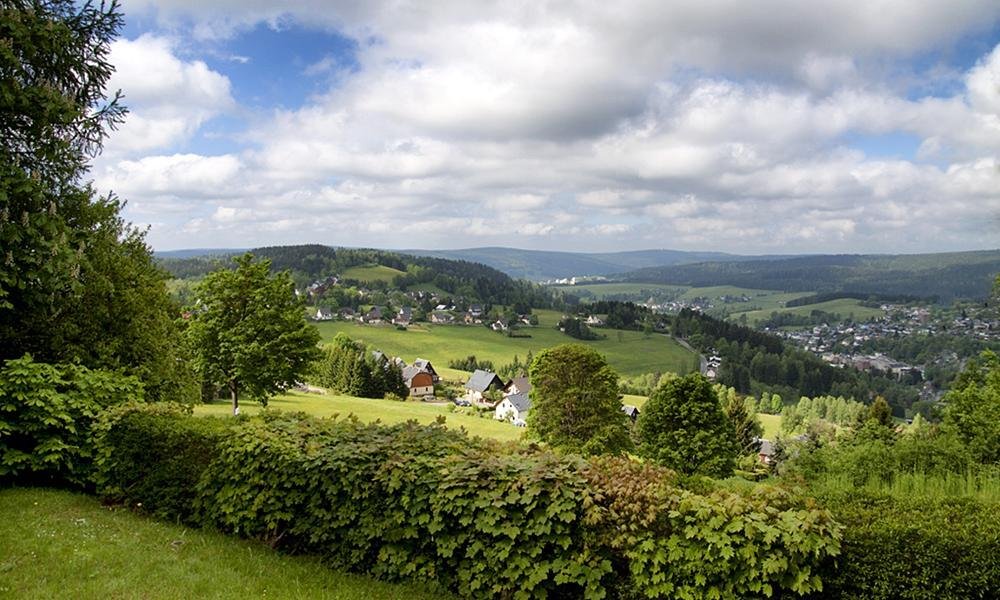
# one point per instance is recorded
(349, 367)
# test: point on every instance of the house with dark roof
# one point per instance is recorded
(403, 317)
(425, 365)
(514, 408)
(323, 314)
(518, 385)
(419, 382)
(480, 383)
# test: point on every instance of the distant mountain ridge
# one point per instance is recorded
(540, 265)
(945, 275)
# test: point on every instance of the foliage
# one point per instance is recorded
(576, 328)
(680, 544)
(470, 281)
(839, 411)
(348, 367)
(470, 363)
(913, 548)
(880, 412)
(575, 404)
(973, 405)
(153, 455)
(682, 427)
(46, 414)
(248, 332)
(741, 415)
(756, 362)
(77, 283)
(424, 503)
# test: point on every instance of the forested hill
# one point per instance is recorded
(540, 265)
(945, 276)
(381, 269)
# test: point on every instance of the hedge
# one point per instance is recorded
(914, 549)
(420, 502)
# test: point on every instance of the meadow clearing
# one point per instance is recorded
(628, 352)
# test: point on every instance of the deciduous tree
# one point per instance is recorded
(248, 330)
(682, 427)
(575, 405)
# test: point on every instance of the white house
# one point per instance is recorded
(514, 408)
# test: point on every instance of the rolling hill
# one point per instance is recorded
(540, 265)
(944, 276)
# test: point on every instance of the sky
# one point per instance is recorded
(774, 126)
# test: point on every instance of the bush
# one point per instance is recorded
(153, 456)
(46, 412)
(914, 549)
(426, 503)
(676, 543)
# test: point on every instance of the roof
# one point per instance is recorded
(630, 410)
(521, 383)
(520, 401)
(766, 448)
(483, 380)
(424, 365)
(410, 372)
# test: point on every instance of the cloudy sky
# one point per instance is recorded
(772, 126)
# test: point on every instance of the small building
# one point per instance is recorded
(766, 452)
(631, 411)
(373, 315)
(323, 314)
(419, 382)
(513, 408)
(403, 317)
(480, 383)
(518, 385)
(595, 321)
(442, 318)
(426, 366)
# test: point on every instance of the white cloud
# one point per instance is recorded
(714, 124)
(168, 98)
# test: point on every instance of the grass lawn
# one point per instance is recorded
(372, 273)
(57, 544)
(633, 354)
(368, 410)
(843, 306)
(772, 425)
(601, 291)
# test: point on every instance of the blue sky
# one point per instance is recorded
(774, 128)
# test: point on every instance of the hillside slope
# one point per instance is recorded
(945, 275)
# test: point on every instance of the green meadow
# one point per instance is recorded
(843, 306)
(372, 273)
(600, 291)
(369, 410)
(628, 352)
(58, 544)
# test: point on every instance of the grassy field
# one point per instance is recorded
(634, 354)
(57, 544)
(843, 306)
(772, 425)
(369, 410)
(372, 273)
(600, 291)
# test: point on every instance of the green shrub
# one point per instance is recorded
(46, 412)
(153, 456)
(421, 502)
(914, 549)
(725, 544)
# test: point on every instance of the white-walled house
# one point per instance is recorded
(514, 408)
